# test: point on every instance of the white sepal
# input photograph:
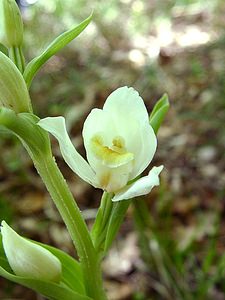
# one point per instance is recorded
(57, 127)
(141, 187)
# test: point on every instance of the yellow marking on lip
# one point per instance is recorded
(112, 157)
(118, 145)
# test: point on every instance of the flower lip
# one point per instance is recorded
(113, 156)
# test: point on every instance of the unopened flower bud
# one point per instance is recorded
(28, 259)
(11, 24)
(13, 89)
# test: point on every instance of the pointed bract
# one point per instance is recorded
(11, 24)
(13, 89)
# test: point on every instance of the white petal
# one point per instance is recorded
(57, 127)
(143, 145)
(130, 118)
(100, 123)
(28, 259)
(141, 187)
(128, 103)
(113, 179)
(97, 122)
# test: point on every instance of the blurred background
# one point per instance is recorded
(172, 46)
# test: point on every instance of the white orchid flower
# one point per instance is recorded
(119, 142)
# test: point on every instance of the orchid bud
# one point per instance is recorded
(11, 24)
(28, 259)
(13, 89)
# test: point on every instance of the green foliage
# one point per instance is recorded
(11, 24)
(13, 90)
(71, 272)
(107, 223)
(59, 43)
(170, 264)
(116, 218)
(159, 112)
(24, 126)
(6, 211)
(69, 288)
(3, 49)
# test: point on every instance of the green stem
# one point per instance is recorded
(116, 218)
(16, 55)
(36, 141)
(100, 226)
(107, 223)
(77, 228)
(22, 59)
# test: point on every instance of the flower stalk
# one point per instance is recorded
(99, 229)
(16, 55)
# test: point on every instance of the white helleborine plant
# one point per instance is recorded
(28, 259)
(120, 144)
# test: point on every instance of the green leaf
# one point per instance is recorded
(69, 288)
(60, 42)
(3, 49)
(50, 290)
(159, 112)
(71, 272)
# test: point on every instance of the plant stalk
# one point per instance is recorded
(64, 201)
(100, 226)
